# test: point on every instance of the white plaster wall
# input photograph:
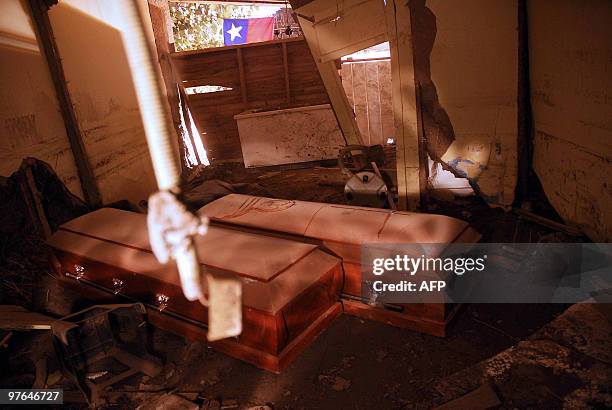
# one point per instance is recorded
(31, 124)
(474, 67)
(571, 95)
(95, 64)
(14, 20)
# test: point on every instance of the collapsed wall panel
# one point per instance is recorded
(466, 63)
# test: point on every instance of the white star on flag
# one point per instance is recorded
(234, 32)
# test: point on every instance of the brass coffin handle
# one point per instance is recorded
(161, 301)
(117, 285)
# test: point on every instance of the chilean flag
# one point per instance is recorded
(242, 31)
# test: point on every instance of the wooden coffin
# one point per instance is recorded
(290, 288)
(342, 229)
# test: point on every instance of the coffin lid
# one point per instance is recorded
(256, 257)
(273, 270)
(337, 223)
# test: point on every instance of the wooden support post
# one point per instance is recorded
(44, 31)
(286, 71)
(164, 48)
(333, 86)
(243, 86)
(409, 180)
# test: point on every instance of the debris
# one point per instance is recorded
(337, 383)
(207, 191)
(211, 378)
(210, 404)
(54, 378)
(170, 372)
(269, 175)
(340, 384)
(42, 373)
(5, 337)
(380, 355)
(18, 318)
(227, 404)
(103, 339)
(503, 332)
(480, 399)
(570, 230)
(583, 327)
(96, 375)
(169, 402)
(23, 257)
(189, 396)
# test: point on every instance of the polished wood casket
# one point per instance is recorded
(342, 230)
(290, 287)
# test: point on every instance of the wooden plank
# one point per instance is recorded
(243, 85)
(286, 72)
(162, 46)
(373, 99)
(360, 100)
(18, 318)
(333, 86)
(44, 33)
(386, 99)
(482, 398)
(361, 25)
(397, 15)
(248, 45)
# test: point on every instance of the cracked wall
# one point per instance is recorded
(571, 96)
(466, 63)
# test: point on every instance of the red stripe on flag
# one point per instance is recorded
(260, 29)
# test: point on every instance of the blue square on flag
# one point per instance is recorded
(235, 31)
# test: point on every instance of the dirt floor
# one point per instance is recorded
(354, 364)
(358, 364)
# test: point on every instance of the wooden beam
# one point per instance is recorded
(160, 35)
(409, 177)
(243, 86)
(333, 85)
(286, 71)
(44, 31)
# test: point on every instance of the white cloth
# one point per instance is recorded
(172, 228)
